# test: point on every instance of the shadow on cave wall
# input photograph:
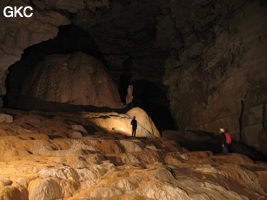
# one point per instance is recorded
(154, 101)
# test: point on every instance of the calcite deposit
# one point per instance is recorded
(73, 79)
(40, 159)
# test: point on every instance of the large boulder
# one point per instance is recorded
(76, 79)
(144, 120)
(121, 123)
(10, 192)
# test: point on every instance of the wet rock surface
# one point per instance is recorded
(40, 160)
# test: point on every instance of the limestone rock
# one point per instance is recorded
(121, 123)
(220, 80)
(6, 118)
(129, 97)
(10, 193)
(130, 146)
(115, 166)
(5, 183)
(76, 135)
(212, 78)
(80, 128)
(144, 120)
(20, 33)
(76, 79)
(43, 189)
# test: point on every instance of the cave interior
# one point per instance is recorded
(75, 74)
(193, 65)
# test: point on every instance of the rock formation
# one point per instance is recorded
(75, 78)
(121, 123)
(201, 60)
(19, 33)
(220, 77)
(39, 159)
(129, 96)
(144, 120)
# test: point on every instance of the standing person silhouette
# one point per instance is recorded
(225, 149)
(134, 126)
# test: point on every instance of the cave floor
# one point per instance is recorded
(46, 155)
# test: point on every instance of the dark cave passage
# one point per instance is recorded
(153, 99)
(71, 39)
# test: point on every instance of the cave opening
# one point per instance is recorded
(153, 99)
(70, 38)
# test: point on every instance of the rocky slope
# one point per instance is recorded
(65, 156)
(202, 60)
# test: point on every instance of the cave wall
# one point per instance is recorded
(203, 60)
(16, 34)
(218, 79)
